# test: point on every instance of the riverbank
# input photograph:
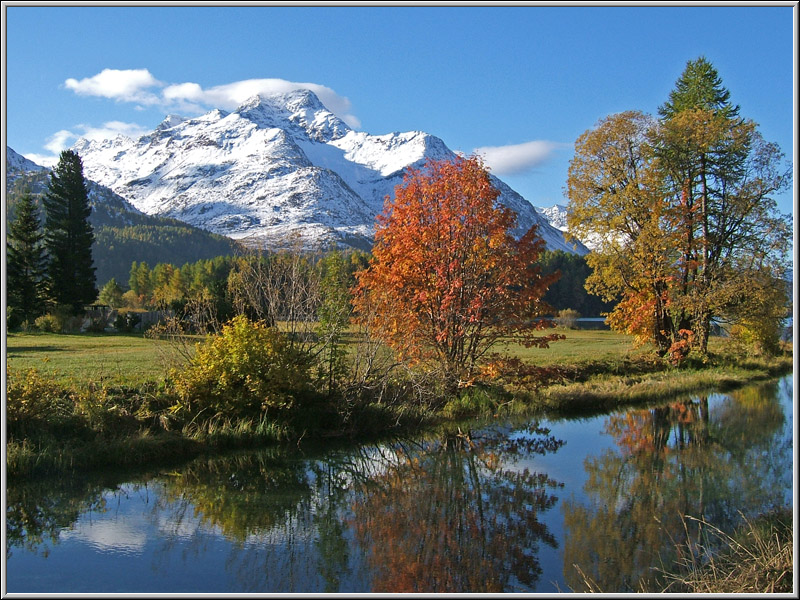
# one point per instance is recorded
(755, 558)
(66, 413)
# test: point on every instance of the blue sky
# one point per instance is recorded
(526, 79)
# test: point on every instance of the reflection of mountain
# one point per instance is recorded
(708, 458)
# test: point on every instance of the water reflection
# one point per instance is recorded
(711, 458)
(460, 511)
(37, 512)
(453, 517)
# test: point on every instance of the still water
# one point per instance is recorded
(512, 506)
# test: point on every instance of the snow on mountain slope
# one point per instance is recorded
(278, 165)
(556, 215)
(107, 205)
(17, 165)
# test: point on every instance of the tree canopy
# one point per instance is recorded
(447, 278)
(683, 207)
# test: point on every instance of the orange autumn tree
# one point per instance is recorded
(447, 278)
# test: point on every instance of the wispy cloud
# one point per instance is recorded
(112, 129)
(517, 158)
(139, 86)
(59, 141)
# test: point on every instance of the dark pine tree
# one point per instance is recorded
(25, 262)
(69, 235)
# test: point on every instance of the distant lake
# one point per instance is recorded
(503, 506)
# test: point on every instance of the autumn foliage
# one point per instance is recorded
(448, 279)
(682, 214)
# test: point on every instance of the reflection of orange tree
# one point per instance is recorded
(452, 519)
(672, 461)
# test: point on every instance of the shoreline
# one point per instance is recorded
(578, 391)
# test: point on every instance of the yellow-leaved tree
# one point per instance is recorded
(683, 215)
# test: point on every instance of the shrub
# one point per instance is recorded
(126, 321)
(34, 398)
(59, 320)
(567, 318)
(96, 325)
(50, 323)
(13, 317)
(248, 369)
(472, 402)
(757, 336)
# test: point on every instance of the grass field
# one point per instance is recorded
(132, 359)
(114, 359)
(580, 346)
(99, 399)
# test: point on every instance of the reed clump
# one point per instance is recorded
(756, 559)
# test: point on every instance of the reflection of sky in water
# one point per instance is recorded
(135, 544)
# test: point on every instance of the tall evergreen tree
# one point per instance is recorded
(69, 235)
(699, 88)
(722, 175)
(25, 262)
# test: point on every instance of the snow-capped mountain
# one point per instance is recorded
(277, 165)
(36, 178)
(17, 165)
(556, 215)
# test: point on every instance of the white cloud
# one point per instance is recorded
(59, 141)
(517, 158)
(43, 160)
(129, 85)
(137, 85)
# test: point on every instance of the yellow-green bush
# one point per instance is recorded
(33, 396)
(247, 369)
(49, 323)
(759, 336)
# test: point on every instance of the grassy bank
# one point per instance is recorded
(96, 400)
(590, 389)
(755, 559)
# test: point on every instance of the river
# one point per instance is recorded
(505, 506)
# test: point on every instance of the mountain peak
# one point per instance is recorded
(297, 108)
(279, 163)
(170, 121)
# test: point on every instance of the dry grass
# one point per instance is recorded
(757, 559)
